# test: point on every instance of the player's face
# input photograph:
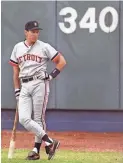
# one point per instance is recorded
(32, 35)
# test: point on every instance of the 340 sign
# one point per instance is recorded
(88, 21)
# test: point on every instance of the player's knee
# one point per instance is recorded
(24, 121)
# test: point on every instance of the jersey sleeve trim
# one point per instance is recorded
(13, 63)
(54, 56)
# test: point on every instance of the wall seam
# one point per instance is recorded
(119, 56)
(56, 48)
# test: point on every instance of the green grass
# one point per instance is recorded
(63, 156)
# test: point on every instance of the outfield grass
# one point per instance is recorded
(64, 156)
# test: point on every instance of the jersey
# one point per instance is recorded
(32, 60)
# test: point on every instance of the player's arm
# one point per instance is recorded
(56, 58)
(14, 63)
(16, 79)
(60, 62)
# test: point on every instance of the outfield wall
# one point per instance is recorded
(93, 77)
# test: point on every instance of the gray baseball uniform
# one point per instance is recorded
(32, 61)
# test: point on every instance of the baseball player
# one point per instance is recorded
(29, 59)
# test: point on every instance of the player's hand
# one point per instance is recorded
(48, 77)
(17, 94)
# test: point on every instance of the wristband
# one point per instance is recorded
(17, 92)
(55, 72)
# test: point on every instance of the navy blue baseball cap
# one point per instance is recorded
(32, 25)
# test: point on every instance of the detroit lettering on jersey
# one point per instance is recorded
(32, 60)
(31, 57)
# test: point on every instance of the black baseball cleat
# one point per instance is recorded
(33, 156)
(51, 149)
